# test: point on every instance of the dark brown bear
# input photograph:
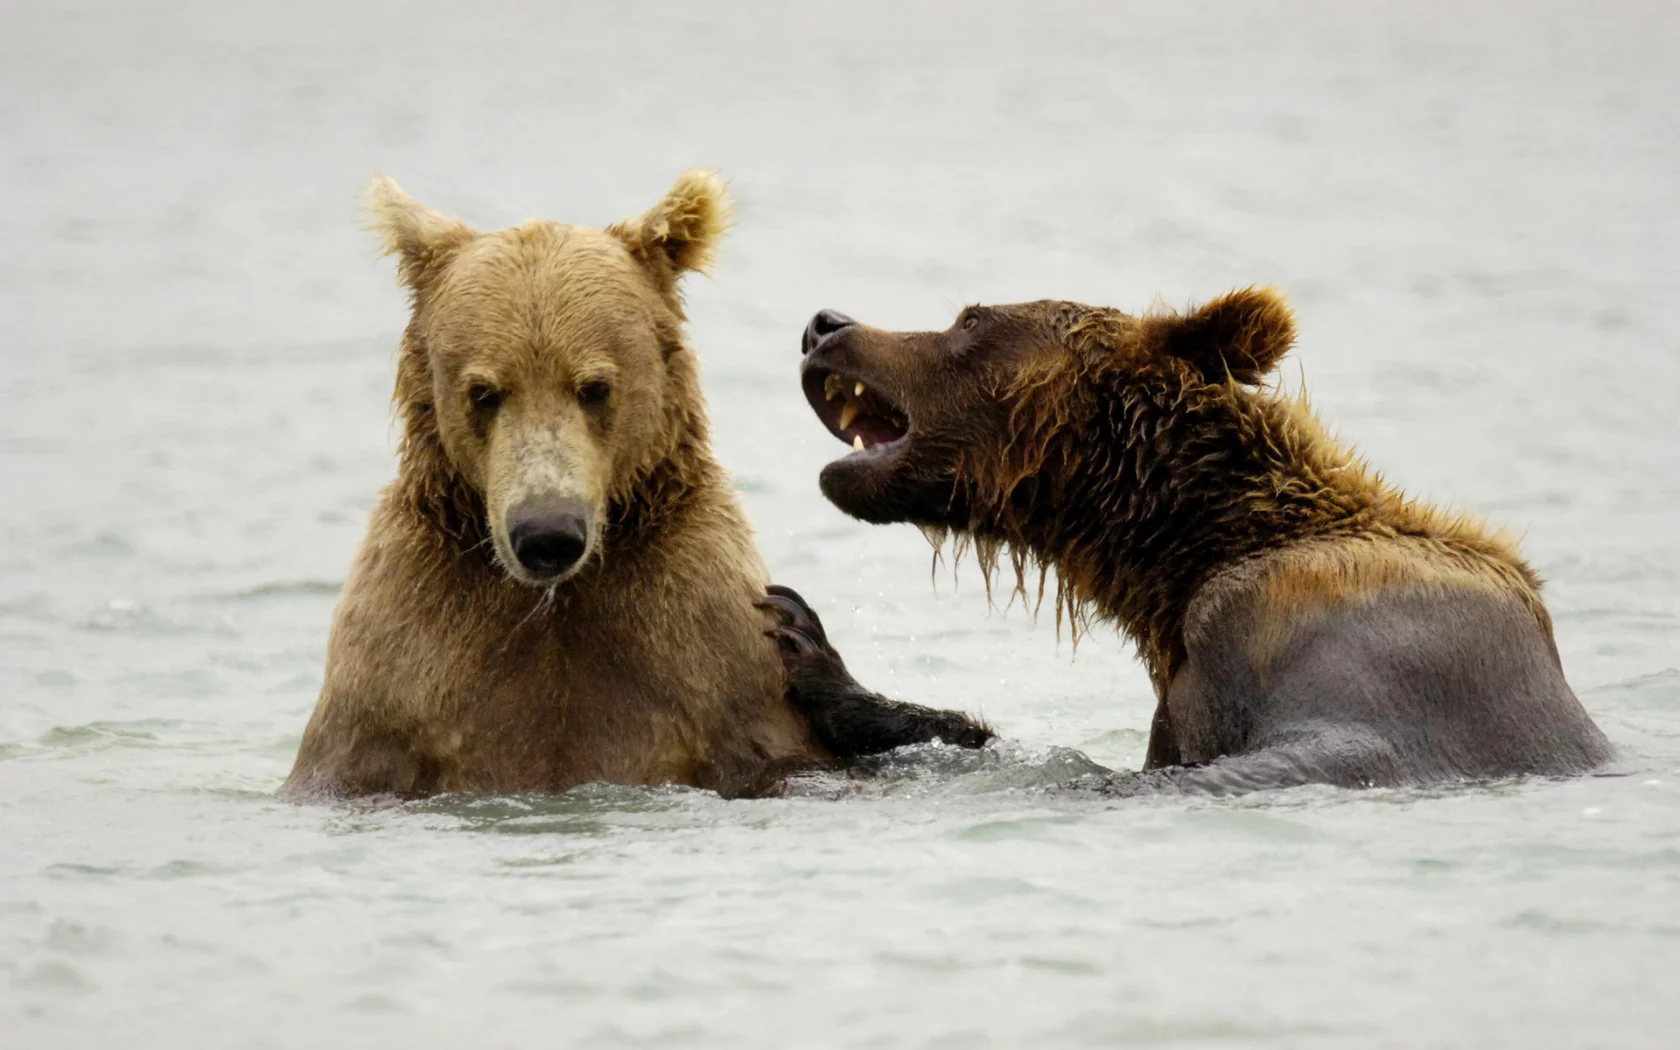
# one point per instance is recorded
(1302, 621)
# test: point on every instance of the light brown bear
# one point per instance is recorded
(559, 586)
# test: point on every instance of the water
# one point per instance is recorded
(1472, 208)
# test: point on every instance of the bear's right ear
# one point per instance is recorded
(681, 232)
(1242, 335)
(422, 240)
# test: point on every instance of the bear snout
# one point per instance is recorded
(823, 325)
(548, 536)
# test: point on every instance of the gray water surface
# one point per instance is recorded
(1472, 207)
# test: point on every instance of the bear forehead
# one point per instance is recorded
(545, 281)
(1061, 318)
(545, 256)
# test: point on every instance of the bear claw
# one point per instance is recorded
(793, 611)
(798, 642)
(798, 631)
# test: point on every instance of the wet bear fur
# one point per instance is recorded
(1301, 619)
(549, 362)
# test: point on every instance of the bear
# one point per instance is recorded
(1301, 620)
(560, 585)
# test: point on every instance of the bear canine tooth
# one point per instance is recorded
(857, 443)
(848, 413)
(857, 391)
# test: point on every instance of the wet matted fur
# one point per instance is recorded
(1300, 618)
(549, 360)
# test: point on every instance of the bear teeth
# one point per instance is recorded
(857, 443)
(857, 391)
(848, 413)
(831, 387)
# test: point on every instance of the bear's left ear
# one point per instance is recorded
(681, 232)
(1242, 335)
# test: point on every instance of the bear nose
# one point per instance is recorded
(825, 324)
(548, 536)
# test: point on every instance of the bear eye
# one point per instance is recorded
(593, 393)
(485, 397)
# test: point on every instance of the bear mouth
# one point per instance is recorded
(856, 413)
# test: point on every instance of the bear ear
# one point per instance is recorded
(422, 240)
(1241, 335)
(681, 232)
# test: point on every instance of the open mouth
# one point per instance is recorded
(863, 418)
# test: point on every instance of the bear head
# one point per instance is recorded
(544, 374)
(945, 425)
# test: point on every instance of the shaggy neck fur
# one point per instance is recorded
(1149, 481)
